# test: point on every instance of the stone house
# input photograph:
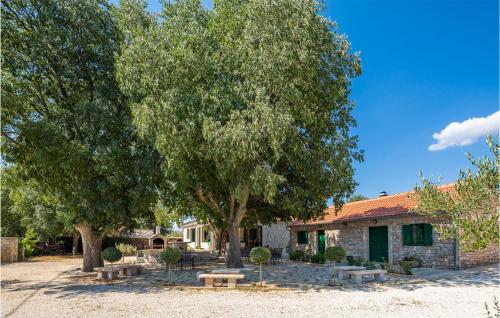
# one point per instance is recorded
(385, 229)
(199, 236)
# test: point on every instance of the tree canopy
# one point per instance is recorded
(471, 205)
(67, 128)
(248, 103)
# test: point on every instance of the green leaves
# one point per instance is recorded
(250, 96)
(472, 205)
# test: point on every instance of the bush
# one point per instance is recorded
(111, 254)
(407, 266)
(297, 255)
(358, 261)
(29, 242)
(318, 258)
(350, 260)
(416, 261)
(335, 254)
(370, 265)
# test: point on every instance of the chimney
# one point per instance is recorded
(382, 194)
(157, 229)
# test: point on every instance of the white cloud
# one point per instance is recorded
(466, 132)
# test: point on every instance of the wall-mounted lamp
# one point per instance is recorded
(374, 221)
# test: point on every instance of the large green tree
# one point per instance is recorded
(471, 205)
(66, 127)
(249, 105)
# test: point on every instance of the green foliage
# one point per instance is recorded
(29, 240)
(357, 197)
(297, 255)
(335, 253)
(370, 265)
(260, 255)
(407, 267)
(170, 255)
(472, 205)
(65, 125)
(248, 103)
(111, 254)
(318, 258)
(416, 261)
(126, 249)
(354, 261)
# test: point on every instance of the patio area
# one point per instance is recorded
(57, 288)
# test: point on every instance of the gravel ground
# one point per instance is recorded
(53, 288)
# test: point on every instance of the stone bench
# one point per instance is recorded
(107, 272)
(341, 271)
(130, 269)
(357, 276)
(232, 279)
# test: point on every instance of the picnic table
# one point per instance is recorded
(341, 272)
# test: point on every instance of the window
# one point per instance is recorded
(302, 237)
(417, 234)
(206, 236)
(193, 235)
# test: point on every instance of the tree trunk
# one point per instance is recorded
(91, 247)
(76, 237)
(233, 254)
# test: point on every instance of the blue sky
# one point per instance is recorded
(425, 64)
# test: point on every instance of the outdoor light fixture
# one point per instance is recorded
(374, 221)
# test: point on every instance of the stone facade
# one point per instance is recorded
(354, 238)
(9, 249)
(486, 256)
(275, 235)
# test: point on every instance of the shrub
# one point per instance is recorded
(370, 265)
(318, 258)
(126, 249)
(111, 254)
(358, 261)
(29, 242)
(335, 254)
(350, 260)
(260, 255)
(297, 255)
(170, 256)
(407, 266)
(416, 261)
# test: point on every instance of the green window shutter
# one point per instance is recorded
(407, 235)
(306, 237)
(427, 234)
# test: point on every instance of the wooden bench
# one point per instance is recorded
(107, 272)
(378, 275)
(232, 279)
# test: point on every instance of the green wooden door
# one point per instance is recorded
(321, 242)
(378, 239)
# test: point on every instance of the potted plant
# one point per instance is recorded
(334, 254)
(260, 255)
(170, 256)
(111, 255)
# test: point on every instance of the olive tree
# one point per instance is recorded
(111, 254)
(170, 256)
(260, 255)
(249, 105)
(471, 205)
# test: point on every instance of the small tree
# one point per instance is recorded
(260, 255)
(29, 241)
(111, 254)
(126, 249)
(170, 256)
(334, 254)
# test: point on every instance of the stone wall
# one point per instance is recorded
(485, 256)
(354, 238)
(275, 235)
(9, 249)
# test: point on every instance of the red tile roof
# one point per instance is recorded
(388, 206)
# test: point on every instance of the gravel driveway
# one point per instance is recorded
(49, 289)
